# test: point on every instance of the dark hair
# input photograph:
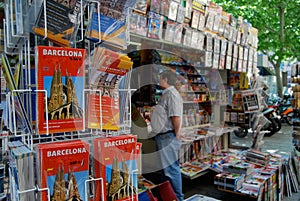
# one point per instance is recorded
(170, 75)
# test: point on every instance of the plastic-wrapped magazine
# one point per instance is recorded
(198, 197)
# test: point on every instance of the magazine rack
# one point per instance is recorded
(87, 196)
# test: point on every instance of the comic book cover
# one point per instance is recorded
(63, 168)
(62, 21)
(116, 163)
(61, 74)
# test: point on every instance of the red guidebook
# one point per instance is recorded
(64, 168)
(61, 74)
(116, 161)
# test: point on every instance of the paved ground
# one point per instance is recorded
(279, 142)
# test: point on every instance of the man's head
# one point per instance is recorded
(167, 78)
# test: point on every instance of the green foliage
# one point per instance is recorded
(265, 16)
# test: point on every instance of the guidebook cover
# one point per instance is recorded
(116, 162)
(64, 168)
(61, 74)
(108, 69)
(62, 21)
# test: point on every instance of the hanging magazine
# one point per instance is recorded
(63, 168)
(62, 21)
(61, 75)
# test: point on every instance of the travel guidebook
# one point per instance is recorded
(109, 68)
(60, 72)
(63, 168)
(116, 161)
(62, 21)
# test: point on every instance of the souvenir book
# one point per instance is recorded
(241, 52)
(191, 170)
(209, 42)
(235, 51)
(222, 62)
(217, 46)
(223, 47)
(201, 41)
(228, 62)
(208, 59)
(155, 6)
(169, 31)
(240, 167)
(187, 36)
(21, 173)
(133, 19)
(229, 181)
(155, 25)
(240, 65)
(60, 81)
(62, 21)
(245, 66)
(195, 38)
(180, 14)
(210, 21)
(216, 59)
(142, 28)
(63, 168)
(141, 6)
(195, 19)
(229, 48)
(216, 25)
(173, 8)
(178, 36)
(116, 163)
(112, 30)
(103, 107)
(234, 64)
(188, 9)
(164, 8)
(201, 24)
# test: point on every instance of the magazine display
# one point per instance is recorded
(108, 69)
(63, 168)
(62, 21)
(60, 71)
(12, 83)
(116, 162)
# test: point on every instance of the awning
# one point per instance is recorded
(264, 71)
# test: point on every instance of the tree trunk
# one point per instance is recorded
(278, 78)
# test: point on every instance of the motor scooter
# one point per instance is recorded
(285, 111)
(273, 126)
(275, 123)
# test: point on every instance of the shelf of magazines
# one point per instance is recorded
(195, 153)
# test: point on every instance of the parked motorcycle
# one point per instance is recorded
(273, 126)
(275, 123)
(284, 109)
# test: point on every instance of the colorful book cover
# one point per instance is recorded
(64, 168)
(109, 68)
(111, 31)
(61, 73)
(116, 163)
(155, 6)
(155, 24)
(62, 21)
